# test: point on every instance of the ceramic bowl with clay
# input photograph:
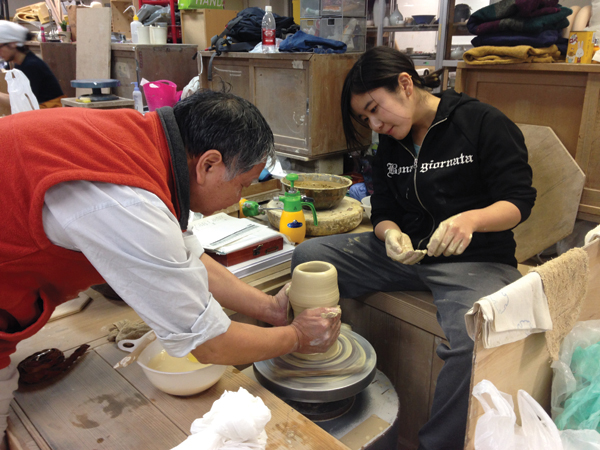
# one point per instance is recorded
(179, 383)
(326, 190)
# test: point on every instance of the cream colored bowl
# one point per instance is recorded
(366, 204)
(179, 383)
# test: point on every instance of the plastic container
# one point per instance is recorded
(158, 35)
(135, 24)
(344, 8)
(160, 93)
(310, 9)
(138, 102)
(269, 41)
(143, 35)
(351, 31)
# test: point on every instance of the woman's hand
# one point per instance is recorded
(399, 247)
(452, 237)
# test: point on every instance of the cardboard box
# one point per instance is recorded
(253, 251)
(198, 26)
(581, 47)
(200, 4)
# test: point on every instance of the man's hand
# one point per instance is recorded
(399, 248)
(279, 307)
(316, 330)
(452, 237)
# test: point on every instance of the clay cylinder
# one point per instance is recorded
(314, 284)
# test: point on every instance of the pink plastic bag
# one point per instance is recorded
(160, 93)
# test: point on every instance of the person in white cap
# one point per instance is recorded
(44, 84)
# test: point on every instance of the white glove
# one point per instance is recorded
(452, 237)
(399, 248)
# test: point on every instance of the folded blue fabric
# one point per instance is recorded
(302, 42)
(508, 39)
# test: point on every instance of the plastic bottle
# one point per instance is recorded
(268, 31)
(42, 34)
(135, 24)
(138, 103)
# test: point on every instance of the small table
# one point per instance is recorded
(108, 104)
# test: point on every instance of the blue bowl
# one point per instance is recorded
(423, 19)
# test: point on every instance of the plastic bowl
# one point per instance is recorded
(423, 19)
(326, 190)
(366, 204)
(178, 383)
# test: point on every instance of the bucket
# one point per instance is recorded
(160, 93)
(158, 35)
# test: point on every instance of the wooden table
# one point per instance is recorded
(94, 406)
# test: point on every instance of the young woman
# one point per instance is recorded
(450, 179)
(44, 84)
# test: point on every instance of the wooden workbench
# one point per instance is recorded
(94, 406)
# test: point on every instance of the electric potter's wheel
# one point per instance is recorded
(350, 370)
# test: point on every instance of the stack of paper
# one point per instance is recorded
(224, 234)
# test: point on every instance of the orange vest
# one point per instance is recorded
(39, 150)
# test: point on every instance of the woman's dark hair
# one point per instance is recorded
(24, 48)
(227, 123)
(377, 68)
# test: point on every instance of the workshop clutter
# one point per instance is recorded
(337, 20)
(37, 12)
(160, 93)
(497, 428)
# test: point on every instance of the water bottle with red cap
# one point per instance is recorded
(268, 31)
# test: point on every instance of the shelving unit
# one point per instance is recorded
(445, 27)
(171, 3)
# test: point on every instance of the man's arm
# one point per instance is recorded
(234, 294)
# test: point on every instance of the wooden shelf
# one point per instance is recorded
(405, 28)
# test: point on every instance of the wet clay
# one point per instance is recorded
(316, 185)
(314, 285)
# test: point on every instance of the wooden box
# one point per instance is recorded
(298, 93)
(253, 251)
(198, 26)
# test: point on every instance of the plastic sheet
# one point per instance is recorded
(576, 383)
(19, 90)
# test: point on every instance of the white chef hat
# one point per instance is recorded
(12, 32)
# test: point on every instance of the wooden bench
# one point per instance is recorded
(402, 326)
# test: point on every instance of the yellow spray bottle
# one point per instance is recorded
(292, 222)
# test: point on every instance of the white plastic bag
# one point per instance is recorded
(19, 91)
(497, 428)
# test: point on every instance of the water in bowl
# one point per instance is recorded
(163, 362)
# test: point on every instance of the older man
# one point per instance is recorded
(92, 196)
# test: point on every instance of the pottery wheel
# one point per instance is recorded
(344, 217)
(346, 373)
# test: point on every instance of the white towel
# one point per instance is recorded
(236, 421)
(592, 235)
(512, 313)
